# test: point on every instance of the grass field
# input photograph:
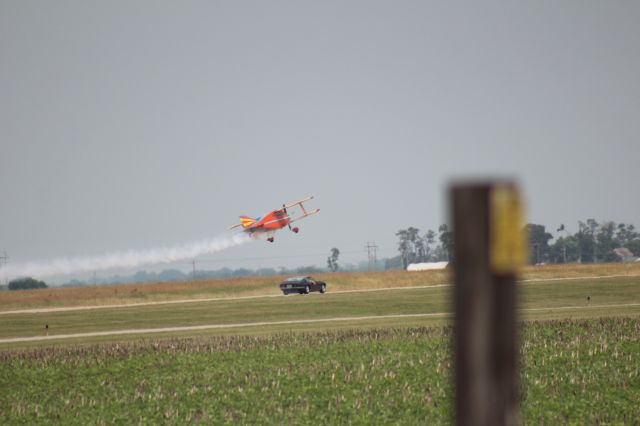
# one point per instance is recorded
(254, 286)
(584, 371)
(539, 300)
(365, 354)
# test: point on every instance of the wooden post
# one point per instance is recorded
(488, 249)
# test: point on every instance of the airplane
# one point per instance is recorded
(274, 220)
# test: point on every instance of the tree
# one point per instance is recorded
(606, 242)
(595, 242)
(420, 249)
(626, 236)
(26, 284)
(587, 250)
(413, 235)
(404, 247)
(429, 240)
(307, 270)
(393, 263)
(332, 260)
(593, 227)
(446, 240)
(564, 250)
(538, 243)
(562, 243)
(416, 248)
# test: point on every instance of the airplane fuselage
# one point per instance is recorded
(272, 221)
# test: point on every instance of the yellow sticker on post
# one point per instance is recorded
(507, 250)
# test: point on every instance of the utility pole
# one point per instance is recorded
(372, 254)
(564, 243)
(488, 253)
(564, 247)
(3, 261)
(194, 268)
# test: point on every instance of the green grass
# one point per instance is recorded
(322, 378)
(581, 368)
(572, 371)
(583, 372)
(268, 285)
(539, 300)
(227, 312)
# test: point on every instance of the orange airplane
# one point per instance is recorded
(274, 220)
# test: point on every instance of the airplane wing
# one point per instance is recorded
(306, 214)
(297, 203)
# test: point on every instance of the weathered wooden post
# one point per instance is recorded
(488, 250)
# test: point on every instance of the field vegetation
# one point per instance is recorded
(417, 306)
(268, 285)
(583, 372)
(376, 355)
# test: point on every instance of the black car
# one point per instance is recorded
(302, 285)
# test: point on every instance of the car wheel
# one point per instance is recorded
(323, 289)
(285, 293)
(306, 290)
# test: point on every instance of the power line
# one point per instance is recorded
(372, 249)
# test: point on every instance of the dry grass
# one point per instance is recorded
(135, 293)
(253, 286)
(574, 270)
(207, 288)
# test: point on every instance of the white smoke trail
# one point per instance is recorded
(128, 259)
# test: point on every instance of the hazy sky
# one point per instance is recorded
(131, 125)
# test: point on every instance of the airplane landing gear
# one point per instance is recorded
(296, 229)
(270, 239)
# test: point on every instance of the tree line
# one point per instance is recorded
(415, 247)
(593, 242)
(27, 283)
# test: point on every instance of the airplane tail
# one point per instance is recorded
(246, 221)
